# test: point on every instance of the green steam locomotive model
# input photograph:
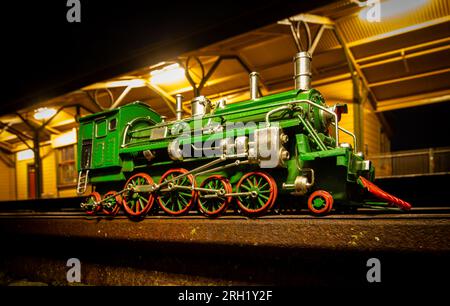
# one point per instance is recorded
(249, 153)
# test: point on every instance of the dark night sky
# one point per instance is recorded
(43, 55)
(420, 127)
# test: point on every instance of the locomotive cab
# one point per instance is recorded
(100, 136)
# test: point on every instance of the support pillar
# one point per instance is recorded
(37, 164)
(358, 113)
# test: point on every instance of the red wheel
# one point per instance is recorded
(275, 193)
(177, 197)
(320, 202)
(112, 205)
(90, 206)
(137, 204)
(214, 206)
(263, 191)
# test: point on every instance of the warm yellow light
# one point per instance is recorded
(44, 113)
(376, 10)
(64, 139)
(126, 83)
(24, 155)
(168, 75)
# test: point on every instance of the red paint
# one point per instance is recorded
(97, 198)
(381, 194)
(116, 209)
(176, 172)
(228, 189)
(328, 202)
(269, 203)
(151, 198)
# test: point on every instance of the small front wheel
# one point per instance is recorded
(91, 207)
(112, 204)
(320, 202)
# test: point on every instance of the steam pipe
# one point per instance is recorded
(179, 106)
(254, 89)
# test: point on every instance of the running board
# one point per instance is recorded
(383, 195)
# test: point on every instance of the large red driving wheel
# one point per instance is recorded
(275, 193)
(137, 204)
(214, 206)
(320, 202)
(264, 192)
(177, 201)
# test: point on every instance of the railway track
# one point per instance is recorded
(438, 213)
(72, 206)
(68, 211)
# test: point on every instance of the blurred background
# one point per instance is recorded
(388, 60)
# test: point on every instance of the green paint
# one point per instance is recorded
(310, 146)
(318, 203)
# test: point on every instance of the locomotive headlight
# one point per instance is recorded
(340, 109)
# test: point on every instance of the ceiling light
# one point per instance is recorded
(43, 113)
(376, 10)
(126, 83)
(167, 75)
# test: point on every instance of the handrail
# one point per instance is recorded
(348, 133)
(125, 132)
(411, 153)
(335, 116)
(282, 105)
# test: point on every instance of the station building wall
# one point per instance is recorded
(375, 139)
(49, 186)
(51, 157)
(7, 183)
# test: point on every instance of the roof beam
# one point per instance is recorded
(309, 18)
(427, 44)
(403, 56)
(48, 128)
(400, 31)
(413, 101)
(355, 65)
(22, 137)
(167, 98)
(410, 77)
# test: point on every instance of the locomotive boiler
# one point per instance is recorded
(247, 154)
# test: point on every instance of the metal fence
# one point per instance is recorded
(417, 162)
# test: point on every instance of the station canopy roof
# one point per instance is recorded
(402, 61)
